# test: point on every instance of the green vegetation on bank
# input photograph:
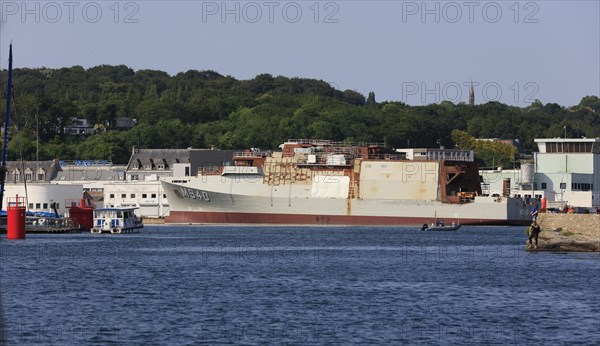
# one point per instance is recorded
(203, 108)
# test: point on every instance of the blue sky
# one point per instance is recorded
(412, 51)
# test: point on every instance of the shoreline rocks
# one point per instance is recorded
(569, 232)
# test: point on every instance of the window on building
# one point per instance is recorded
(45, 205)
(38, 206)
(30, 205)
(563, 186)
(57, 205)
(153, 195)
(144, 195)
(132, 195)
(543, 186)
(123, 195)
(164, 195)
(28, 176)
(112, 195)
(187, 171)
(40, 176)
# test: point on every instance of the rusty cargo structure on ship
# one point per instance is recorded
(321, 182)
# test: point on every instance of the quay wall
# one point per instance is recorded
(153, 221)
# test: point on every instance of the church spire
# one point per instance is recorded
(471, 94)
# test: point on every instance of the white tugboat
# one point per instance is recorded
(116, 220)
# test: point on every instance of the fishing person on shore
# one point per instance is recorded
(534, 232)
(534, 212)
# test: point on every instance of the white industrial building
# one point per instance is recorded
(41, 196)
(565, 171)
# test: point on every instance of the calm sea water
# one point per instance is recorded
(296, 285)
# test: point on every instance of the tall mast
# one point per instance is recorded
(6, 125)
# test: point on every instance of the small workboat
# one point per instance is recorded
(116, 220)
(433, 227)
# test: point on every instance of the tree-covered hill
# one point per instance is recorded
(203, 108)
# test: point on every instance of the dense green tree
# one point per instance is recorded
(592, 102)
(488, 153)
(371, 99)
(204, 108)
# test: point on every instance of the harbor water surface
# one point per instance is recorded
(298, 285)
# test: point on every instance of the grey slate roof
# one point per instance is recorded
(143, 159)
(91, 173)
(149, 159)
(51, 169)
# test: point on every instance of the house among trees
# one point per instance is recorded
(83, 126)
(124, 123)
(79, 127)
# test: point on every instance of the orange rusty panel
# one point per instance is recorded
(459, 178)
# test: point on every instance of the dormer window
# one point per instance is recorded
(41, 174)
(29, 175)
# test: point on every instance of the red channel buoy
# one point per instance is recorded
(15, 224)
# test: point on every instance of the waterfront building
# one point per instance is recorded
(141, 186)
(56, 181)
(33, 180)
(92, 175)
(565, 171)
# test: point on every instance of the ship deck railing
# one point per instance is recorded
(330, 143)
(251, 154)
(210, 170)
